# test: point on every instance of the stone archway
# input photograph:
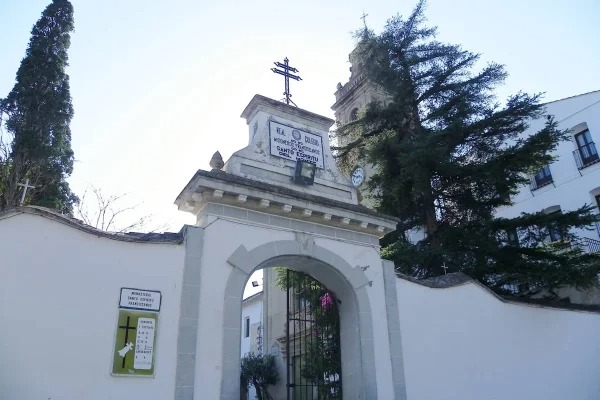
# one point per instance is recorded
(251, 200)
(356, 332)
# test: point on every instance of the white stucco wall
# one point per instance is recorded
(59, 295)
(463, 343)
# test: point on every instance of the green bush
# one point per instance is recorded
(259, 371)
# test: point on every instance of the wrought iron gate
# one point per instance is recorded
(312, 340)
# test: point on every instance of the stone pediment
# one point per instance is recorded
(257, 180)
(219, 187)
(278, 135)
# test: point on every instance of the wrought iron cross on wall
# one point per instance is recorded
(285, 71)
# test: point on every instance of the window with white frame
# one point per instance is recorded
(247, 327)
(585, 153)
(542, 178)
(555, 233)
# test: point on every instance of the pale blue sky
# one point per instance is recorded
(158, 86)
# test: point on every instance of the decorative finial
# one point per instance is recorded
(216, 162)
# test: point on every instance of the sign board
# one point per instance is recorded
(295, 144)
(138, 299)
(135, 343)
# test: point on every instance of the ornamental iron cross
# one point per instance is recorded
(286, 73)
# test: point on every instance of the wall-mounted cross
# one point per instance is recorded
(445, 268)
(26, 186)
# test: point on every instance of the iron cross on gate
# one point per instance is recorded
(286, 73)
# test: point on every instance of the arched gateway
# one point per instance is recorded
(282, 201)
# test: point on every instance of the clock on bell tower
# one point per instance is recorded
(350, 100)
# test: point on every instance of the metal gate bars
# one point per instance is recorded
(312, 340)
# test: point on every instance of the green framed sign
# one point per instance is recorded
(135, 343)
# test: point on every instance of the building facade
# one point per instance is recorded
(571, 181)
(251, 338)
(573, 178)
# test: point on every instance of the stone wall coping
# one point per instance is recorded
(135, 237)
(458, 278)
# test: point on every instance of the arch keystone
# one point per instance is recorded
(288, 247)
(307, 243)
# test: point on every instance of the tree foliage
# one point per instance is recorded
(259, 371)
(447, 155)
(37, 113)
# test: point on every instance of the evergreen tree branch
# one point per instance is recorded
(447, 154)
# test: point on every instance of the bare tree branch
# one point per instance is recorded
(112, 213)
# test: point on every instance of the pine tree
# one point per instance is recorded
(37, 113)
(447, 155)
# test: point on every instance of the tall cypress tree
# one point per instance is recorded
(37, 113)
(447, 155)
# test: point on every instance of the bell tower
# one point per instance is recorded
(350, 100)
(352, 97)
